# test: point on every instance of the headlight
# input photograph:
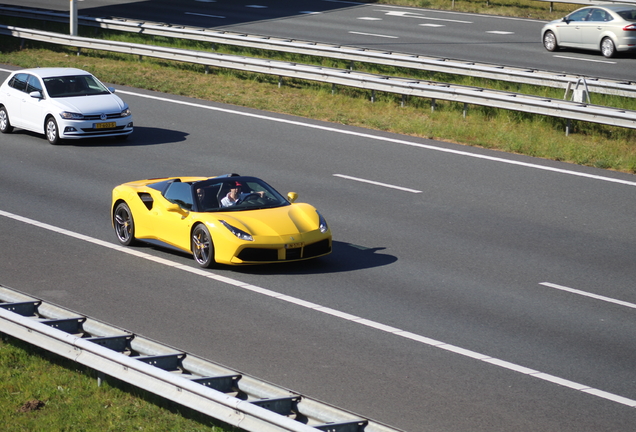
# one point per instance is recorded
(237, 232)
(322, 223)
(71, 116)
(126, 112)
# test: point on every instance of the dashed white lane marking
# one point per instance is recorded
(369, 19)
(591, 295)
(500, 32)
(418, 16)
(373, 34)
(377, 183)
(432, 25)
(342, 315)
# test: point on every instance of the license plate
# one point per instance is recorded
(293, 245)
(108, 125)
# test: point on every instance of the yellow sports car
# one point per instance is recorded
(229, 219)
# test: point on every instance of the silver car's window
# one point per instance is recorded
(628, 15)
(599, 15)
(71, 86)
(579, 15)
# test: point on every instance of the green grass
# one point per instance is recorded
(40, 391)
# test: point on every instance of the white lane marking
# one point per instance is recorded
(418, 16)
(500, 32)
(343, 315)
(591, 295)
(385, 139)
(377, 183)
(372, 34)
(204, 15)
(432, 25)
(584, 59)
(369, 19)
(310, 12)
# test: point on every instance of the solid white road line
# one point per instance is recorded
(374, 35)
(342, 315)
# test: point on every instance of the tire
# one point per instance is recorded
(550, 41)
(51, 131)
(608, 48)
(202, 246)
(5, 124)
(124, 224)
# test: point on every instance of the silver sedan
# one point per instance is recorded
(605, 28)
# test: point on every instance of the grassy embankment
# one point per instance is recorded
(42, 392)
(534, 135)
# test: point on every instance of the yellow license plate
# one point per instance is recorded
(293, 245)
(108, 125)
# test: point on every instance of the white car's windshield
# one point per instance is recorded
(71, 86)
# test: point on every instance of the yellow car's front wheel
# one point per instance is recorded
(124, 224)
(202, 246)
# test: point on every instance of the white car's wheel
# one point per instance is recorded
(51, 130)
(5, 124)
(550, 41)
(608, 48)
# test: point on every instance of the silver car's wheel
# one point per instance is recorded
(52, 132)
(124, 224)
(202, 246)
(550, 41)
(5, 125)
(608, 48)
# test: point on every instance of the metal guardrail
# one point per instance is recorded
(214, 390)
(427, 89)
(352, 54)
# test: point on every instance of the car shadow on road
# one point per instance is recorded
(344, 257)
(141, 136)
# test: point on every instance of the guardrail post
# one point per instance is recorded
(465, 109)
(433, 105)
(333, 88)
(280, 81)
(372, 96)
(568, 126)
(403, 101)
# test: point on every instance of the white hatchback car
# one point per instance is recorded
(62, 103)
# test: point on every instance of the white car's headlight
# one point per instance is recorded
(126, 112)
(237, 232)
(71, 115)
(322, 223)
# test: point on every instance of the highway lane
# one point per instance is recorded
(481, 38)
(460, 258)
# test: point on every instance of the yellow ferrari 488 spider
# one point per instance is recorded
(229, 219)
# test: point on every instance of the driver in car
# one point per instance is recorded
(235, 196)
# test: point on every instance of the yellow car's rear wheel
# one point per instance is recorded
(202, 246)
(124, 224)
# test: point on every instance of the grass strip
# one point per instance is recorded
(41, 391)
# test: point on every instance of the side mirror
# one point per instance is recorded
(36, 94)
(111, 89)
(292, 196)
(174, 207)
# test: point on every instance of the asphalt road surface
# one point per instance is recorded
(468, 290)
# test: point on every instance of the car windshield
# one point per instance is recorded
(236, 194)
(72, 86)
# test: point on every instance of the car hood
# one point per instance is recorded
(97, 104)
(292, 219)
